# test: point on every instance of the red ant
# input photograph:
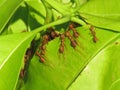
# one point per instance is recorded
(46, 38)
(61, 49)
(75, 33)
(92, 29)
(73, 42)
(52, 33)
(40, 56)
(22, 73)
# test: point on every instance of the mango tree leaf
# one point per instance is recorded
(115, 85)
(61, 8)
(19, 21)
(27, 17)
(7, 8)
(37, 14)
(102, 73)
(102, 14)
(12, 50)
(59, 71)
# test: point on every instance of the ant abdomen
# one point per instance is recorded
(41, 58)
(61, 48)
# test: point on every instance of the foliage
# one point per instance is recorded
(91, 65)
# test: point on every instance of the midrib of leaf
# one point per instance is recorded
(113, 19)
(13, 51)
(2, 3)
(99, 50)
(104, 16)
(113, 83)
(1, 29)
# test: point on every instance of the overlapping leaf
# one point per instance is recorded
(102, 13)
(7, 8)
(12, 50)
(36, 15)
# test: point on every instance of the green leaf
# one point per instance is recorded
(7, 8)
(102, 14)
(12, 50)
(78, 4)
(59, 71)
(102, 73)
(115, 85)
(61, 8)
(37, 14)
(19, 21)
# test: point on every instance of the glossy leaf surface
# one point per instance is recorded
(12, 50)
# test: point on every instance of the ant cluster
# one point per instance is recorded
(67, 34)
(27, 57)
(52, 35)
(71, 33)
(45, 39)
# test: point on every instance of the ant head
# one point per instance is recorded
(62, 36)
(71, 26)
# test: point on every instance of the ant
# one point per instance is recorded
(53, 34)
(73, 42)
(92, 29)
(22, 73)
(40, 56)
(62, 37)
(75, 33)
(46, 38)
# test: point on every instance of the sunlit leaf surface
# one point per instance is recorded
(102, 13)
(60, 70)
(12, 50)
(102, 73)
(7, 8)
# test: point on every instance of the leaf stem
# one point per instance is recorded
(77, 20)
(49, 14)
(57, 22)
